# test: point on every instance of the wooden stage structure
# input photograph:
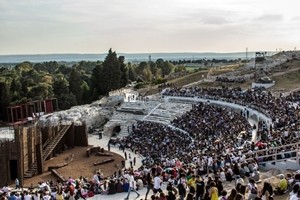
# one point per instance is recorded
(30, 111)
(24, 156)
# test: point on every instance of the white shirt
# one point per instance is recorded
(130, 179)
(291, 194)
(35, 197)
(27, 197)
(53, 194)
(209, 161)
(95, 179)
(5, 189)
(286, 133)
(222, 176)
(157, 182)
(46, 197)
(240, 180)
(294, 197)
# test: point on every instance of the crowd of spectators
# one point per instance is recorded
(181, 181)
(209, 146)
(230, 79)
(283, 113)
(209, 124)
(157, 142)
(294, 96)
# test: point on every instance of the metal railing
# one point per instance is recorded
(271, 154)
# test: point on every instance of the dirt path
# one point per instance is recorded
(284, 72)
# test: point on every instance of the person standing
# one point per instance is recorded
(157, 184)
(213, 191)
(200, 188)
(252, 188)
(181, 186)
(134, 161)
(150, 185)
(130, 179)
(17, 182)
(131, 163)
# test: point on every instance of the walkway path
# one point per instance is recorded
(144, 118)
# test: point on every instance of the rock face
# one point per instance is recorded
(7, 133)
(93, 115)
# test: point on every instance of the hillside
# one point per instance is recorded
(286, 74)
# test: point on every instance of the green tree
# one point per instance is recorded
(141, 67)
(4, 100)
(51, 66)
(66, 101)
(153, 68)
(40, 91)
(147, 74)
(75, 82)
(95, 88)
(167, 68)
(60, 86)
(86, 98)
(131, 73)
(65, 70)
(111, 73)
(124, 74)
(24, 67)
(179, 68)
(40, 67)
(87, 66)
(15, 89)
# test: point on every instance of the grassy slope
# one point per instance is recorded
(191, 78)
(285, 80)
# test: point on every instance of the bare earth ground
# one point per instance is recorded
(81, 165)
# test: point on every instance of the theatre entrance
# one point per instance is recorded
(13, 166)
(116, 131)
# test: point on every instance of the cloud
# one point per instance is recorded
(297, 18)
(269, 18)
(137, 25)
(214, 20)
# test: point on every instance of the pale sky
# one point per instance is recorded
(145, 26)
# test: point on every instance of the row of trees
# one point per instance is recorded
(79, 84)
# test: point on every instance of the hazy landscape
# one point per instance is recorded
(130, 57)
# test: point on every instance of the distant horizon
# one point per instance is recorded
(129, 57)
(175, 52)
